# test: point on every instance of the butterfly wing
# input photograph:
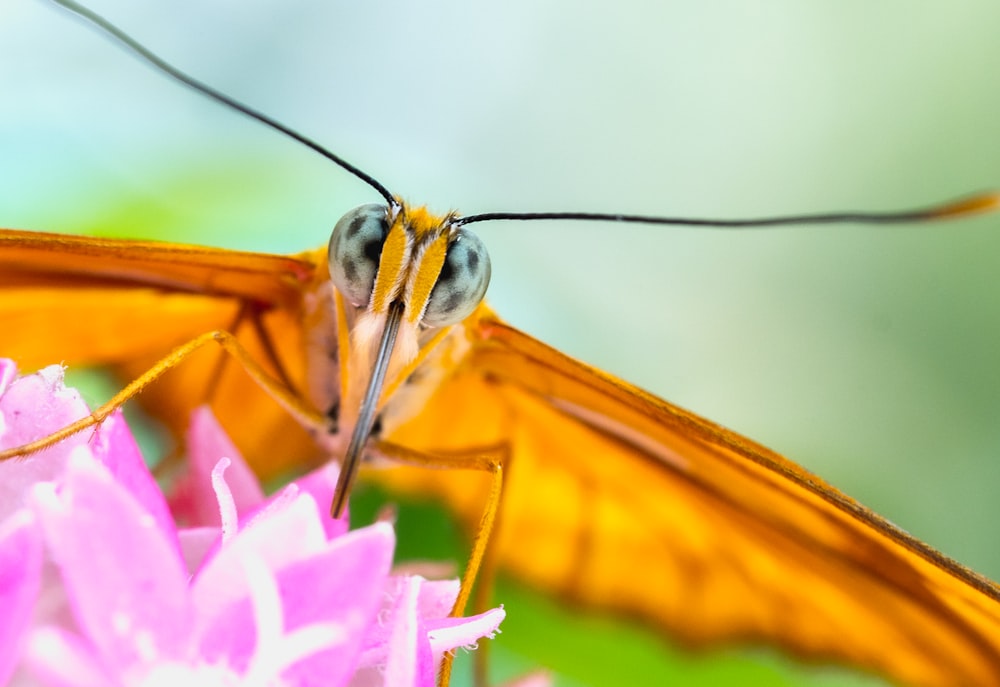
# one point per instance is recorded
(615, 498)
(619, 500)
(126, 304)
(90, 300)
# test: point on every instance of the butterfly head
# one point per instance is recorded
(407, 270)
(436, 269)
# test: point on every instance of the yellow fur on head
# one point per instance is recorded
(421, 281)
(392, 266)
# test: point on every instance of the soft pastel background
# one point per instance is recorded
(868, 355)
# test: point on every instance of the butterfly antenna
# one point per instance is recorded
(984, 202)
(969, 205)
(136, 48)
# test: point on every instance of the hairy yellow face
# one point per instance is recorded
(380, 255)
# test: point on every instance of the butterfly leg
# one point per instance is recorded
(482, 559)
(292, 403)
(250, 313)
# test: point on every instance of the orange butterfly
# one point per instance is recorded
(706, 493)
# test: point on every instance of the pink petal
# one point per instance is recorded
(193, 498)
(30, 408)
(311, 593)
(426, 667)
(208, 442)
(36, 405)
(114, 445)
(437, 631)
(341, 585)
(434, 602)
(409, 660)
(61, 659)
(129, 594)
(446, 634)
(195, 543)
(287, 535)
(8, 373)
(20, 578)
(320, 484)
(437, 597)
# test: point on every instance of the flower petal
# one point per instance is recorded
(320, 484)
(434, 602)
(193, 498)
(8, 373)
(287, 535)
(115, 447)
(438, 632)
(36, 405)
(344, 585)
(32, 407)
(20, 578)
(446, 634)
(409, 660)
(61, 659)
(129, 594)
(437, 597)
(196, 543)
(338, 588)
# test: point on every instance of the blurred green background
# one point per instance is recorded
(867, 355)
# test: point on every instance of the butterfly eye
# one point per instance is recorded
(462, 282)
(355, 249)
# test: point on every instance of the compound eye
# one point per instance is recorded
(355, 249)
(462, 282)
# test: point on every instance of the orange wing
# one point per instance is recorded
(615, 498)
(62, 295)
(91, 301)
(620, 500)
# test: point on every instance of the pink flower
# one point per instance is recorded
(20, 578)
(99, 587)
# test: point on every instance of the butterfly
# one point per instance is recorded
(194, 371)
